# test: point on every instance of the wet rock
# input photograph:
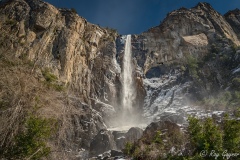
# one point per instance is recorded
(133, 134)
(101, 143)
(119, 138)
(116, 153)
(120, 142)
(110, 155)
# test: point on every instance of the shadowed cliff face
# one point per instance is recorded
(80, 55)
(87, 60)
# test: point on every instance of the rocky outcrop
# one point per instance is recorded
(233, 18)
(159, 139)
(199, 40)
(169, 42)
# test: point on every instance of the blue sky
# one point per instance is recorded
(134, 16)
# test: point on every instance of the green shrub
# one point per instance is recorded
(51, 80)
(58, 87)
(231, 138)
(31, 143)
(214, 48)
(55, 86)
(10, 22)
(183, 68)
(195, 131)
(235, 102)
(236, 82)
(205, 135)
(128, 149)
(112, 33)
(157, 138)
(3, 104)
(74, 10)
(23, 57)
(235, 47)
(49, 77)
(192, 66)
(210, 56)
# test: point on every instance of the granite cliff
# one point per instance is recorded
(73, 68)
(78, 55)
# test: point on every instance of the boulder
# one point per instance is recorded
(120, 142)
(133, 134)
(101, 143)
(163, 126)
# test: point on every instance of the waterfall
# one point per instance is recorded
(130, 114)
(128, 85)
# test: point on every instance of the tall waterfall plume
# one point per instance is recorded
(128, 84)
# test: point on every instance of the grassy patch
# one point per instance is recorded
(49, 77)
(51, 80)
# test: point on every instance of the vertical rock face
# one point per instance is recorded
(81, 55)
(87, 60)
(61, 40)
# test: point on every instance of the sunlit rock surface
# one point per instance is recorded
(88, 59)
